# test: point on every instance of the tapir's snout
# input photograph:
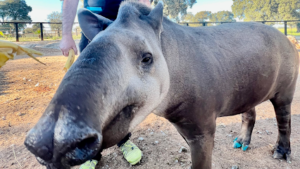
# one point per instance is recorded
(63, 143)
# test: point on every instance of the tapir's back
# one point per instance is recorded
(221, 65)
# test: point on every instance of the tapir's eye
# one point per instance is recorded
(147, 59)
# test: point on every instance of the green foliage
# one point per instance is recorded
(3, 12)
(28, 30)
(55, 17)
(14, 10)
(264, 10)
(189, 17)
(38, 32)
(222, 16)
(173, 8)
(267, 10)
(290, 31)
(35, 27)
(202, 16)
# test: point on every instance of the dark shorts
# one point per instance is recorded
(109, 8)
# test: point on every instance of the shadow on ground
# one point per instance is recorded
(3, 83)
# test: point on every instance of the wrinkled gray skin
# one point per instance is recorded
(143, 63)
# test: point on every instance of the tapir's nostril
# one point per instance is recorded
(44, 153)
(88, 143)
(85, 148)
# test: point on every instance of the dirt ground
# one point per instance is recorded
(26, 88)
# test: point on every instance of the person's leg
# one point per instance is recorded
(83, 42)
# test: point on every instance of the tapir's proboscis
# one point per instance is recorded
(143, 63)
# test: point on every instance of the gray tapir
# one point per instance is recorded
(143, 62)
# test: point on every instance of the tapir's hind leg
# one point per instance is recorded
(248, 121)
(282, 106)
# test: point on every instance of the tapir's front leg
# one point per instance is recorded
(201, 149)
(199, 133)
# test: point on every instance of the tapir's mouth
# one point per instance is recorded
(77, 143)
(85, 150)
(73, 155)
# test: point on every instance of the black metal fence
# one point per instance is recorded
(293, 24)
(20, 31)
(16, 31)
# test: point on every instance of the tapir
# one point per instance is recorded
(143, 62)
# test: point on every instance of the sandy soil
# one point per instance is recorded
(26, 88)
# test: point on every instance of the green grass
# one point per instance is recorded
(31, 39)
(290, 31)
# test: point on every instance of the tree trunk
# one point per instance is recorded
(298, 27)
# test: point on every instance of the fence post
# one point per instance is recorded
(285, 28)
(203, 24)
(17, 32)
(42, 32)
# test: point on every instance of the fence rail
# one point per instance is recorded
(263, 22)
(41, 27)
(41, 36)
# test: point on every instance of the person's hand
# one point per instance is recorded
(66, 44)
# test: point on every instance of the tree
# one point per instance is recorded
(267, 10)
(3, 11)
(289, 10)
(14, 10)
(36, 27)
(55, 17)
(202, 16)
(17, 10)
(28, 30)
(189, 17)
(222, 16)
(173, 8)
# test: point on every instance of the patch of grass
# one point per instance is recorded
(290, 31)
(30, 39)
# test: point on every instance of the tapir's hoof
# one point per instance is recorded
(278, 155)
(237, 144)
(245, 147)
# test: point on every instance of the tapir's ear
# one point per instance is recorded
(156, 17)
(91, 24)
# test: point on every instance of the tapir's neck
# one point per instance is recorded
(172, 39)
